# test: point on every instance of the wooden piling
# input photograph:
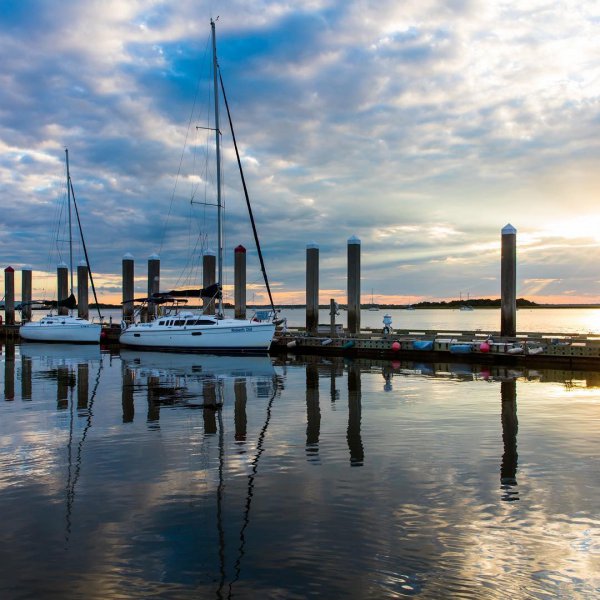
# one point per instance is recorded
(239, 282)
(153, 283)
(354, 285)
(26, 294)
(128, 267)
(209, 276)
(9, 295)
(508, 282)
(312, 287)
(62, 286)
(83, 306)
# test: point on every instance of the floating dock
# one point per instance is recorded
(552, 349)
(549, 349)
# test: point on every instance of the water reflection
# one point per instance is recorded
(313, 412)
(510, 427)
(353, 436)
(234, 476)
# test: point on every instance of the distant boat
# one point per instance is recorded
(373, 307)
(465, 306)
(64, 328)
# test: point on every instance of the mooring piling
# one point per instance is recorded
(508, 282)
(83, 307)
(153, 283)
(312, 287)
(9, 295)
(128, 268)
(209, 277)
(62, 286)
(354, 285)
(239, 282)
(25, 294)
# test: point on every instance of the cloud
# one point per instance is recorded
(422, 128)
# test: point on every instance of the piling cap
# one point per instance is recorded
(127, 256)
(154, 257)
(26, 268)
(312, 246)
(9, 270)
(82, 263)
(209, 252)
(240, 249)
(508, 230)
(62, 265)
(353, 240)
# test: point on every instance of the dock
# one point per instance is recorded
(558, 350)
(543, 349)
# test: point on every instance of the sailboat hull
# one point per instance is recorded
(227, 335)
(61, 329)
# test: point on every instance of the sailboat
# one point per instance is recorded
(373, 306)
(178, 329)
(467, 306)
(65, 328)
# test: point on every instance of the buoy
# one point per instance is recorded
(349, 344)
(484, 347)
(326, 342)
(396, 346)
(292, 344)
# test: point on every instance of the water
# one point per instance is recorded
(547, 320)
(179, 476)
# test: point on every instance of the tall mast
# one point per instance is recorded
(70, 232)
(218, 158)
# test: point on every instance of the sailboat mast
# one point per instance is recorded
(218, 158)
(70, 231)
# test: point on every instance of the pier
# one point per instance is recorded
(542, 349)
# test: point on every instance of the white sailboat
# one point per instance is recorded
(373, 307)
(64, 328)
(192, 331)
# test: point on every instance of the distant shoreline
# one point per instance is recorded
(419, 306)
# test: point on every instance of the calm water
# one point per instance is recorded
(177, 476)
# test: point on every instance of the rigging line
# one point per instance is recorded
(260, 256)
(251, 478)
(162, 240)
(220, 489)
(77, 472)
(87, 260)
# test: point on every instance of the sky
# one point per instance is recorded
(421, 127)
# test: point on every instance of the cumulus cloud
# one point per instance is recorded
(421, 128)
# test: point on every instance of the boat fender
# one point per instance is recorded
(292, 344)
(123, 326)
(326, 342)
(484, 347)
(396, 346)
(349, 344)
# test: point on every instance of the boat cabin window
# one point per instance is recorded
(206, 322)
(192, 322)
(179, 322)
(161, 322)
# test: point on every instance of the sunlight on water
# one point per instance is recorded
(185, 476)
